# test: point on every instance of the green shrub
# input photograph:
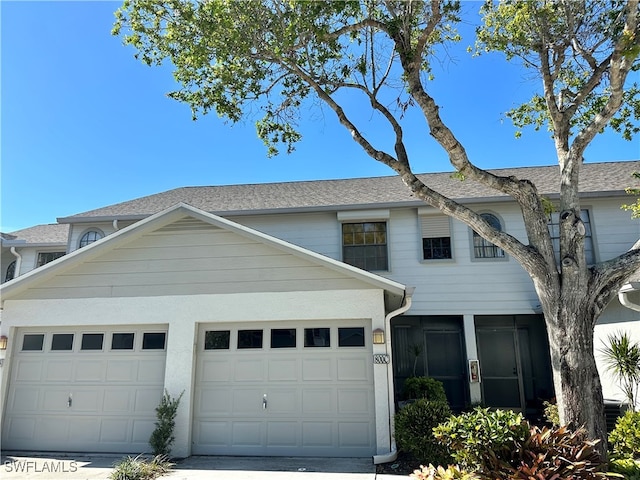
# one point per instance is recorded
(424, 387)
(138, 468)
(551, 453)
(627, 467)
(477, 436)
(414, 430)
(452, 472)
(162, 437)
(624, 440)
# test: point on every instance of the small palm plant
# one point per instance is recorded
(622, 360)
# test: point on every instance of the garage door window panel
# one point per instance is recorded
(33, 342)
(283, 338)
(351, 337)
(122, 341)
(92, 341)
(317, 337)
(249, 339)
(62, 342)
(153, 341)
(217, 340)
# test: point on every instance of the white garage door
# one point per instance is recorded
(285, 389)
(84, 390)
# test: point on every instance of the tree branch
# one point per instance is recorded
(607, 278)
(619, 67)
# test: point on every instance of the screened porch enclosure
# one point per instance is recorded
(431, 346)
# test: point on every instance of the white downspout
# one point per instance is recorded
(393, 454)
(18, 262)
(115, 224)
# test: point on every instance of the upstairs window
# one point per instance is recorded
(90, 237)
(436, 237)
(11, 271)
(554, 232)
(483, 248)
(46, 257)
(364, 245)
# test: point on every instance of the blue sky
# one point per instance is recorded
(84, 125)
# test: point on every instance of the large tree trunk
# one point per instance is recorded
(575, 375)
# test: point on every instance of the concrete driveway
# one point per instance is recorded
(80, 467)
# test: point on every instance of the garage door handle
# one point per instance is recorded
(264, 401)
(69, 401)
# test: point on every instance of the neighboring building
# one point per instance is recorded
(246, 298)
(30, 248)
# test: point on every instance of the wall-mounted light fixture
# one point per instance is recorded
(3, 342)
(378, 336)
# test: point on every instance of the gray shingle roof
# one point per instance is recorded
(596, 178)
(53, 233)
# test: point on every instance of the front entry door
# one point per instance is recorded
(515, 367)
(501, 367)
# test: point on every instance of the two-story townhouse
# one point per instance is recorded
(246, 298)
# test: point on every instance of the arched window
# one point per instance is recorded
(11, 271)
(90, 237)
(483, 248)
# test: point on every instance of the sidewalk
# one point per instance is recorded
(82, 467)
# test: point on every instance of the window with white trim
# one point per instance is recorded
(90, 237)
(484, 248)
(436, 237)
(364, 245)
(554, 232)
(11, 271)
(46, 257)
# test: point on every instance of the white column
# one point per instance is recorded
(472, 353)
(179, 377)
(381, 386)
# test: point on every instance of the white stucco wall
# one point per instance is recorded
(614, 320)
(182, 315)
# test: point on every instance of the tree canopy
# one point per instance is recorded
(282, 57)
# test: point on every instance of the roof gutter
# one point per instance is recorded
(393, 453)
(623, 295)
